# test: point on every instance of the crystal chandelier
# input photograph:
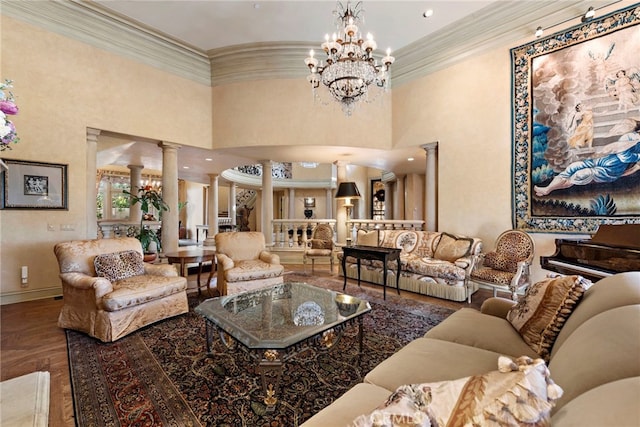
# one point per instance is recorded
(350, 66)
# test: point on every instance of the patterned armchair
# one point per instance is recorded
(320, 246)
(110, 292)
(506, 268)
(244, 263)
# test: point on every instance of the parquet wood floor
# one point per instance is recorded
(30, 340)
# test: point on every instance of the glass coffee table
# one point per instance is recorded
(275, 323)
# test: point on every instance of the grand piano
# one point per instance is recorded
(613, 249)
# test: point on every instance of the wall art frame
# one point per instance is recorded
(576, 127)
(33, 185)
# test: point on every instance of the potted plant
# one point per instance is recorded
(148, 197)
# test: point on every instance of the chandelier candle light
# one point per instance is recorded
(350, 65)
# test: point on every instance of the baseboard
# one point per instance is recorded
(29, 295)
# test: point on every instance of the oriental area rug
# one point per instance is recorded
(162, 375)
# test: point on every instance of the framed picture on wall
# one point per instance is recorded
(576, 127)
(33, 185)
(309, 202)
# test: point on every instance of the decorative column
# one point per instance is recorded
(398, 198)
(170, 223)
(329, 205)
(232, 204)
(92, 185)
(267, 201)
(135, 177)
(212, 216)
(292, 203)
(431, 186)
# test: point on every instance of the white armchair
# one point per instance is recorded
(109, 292)
(244, 263)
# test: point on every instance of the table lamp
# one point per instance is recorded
(348, 191)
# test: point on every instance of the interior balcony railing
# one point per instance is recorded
(385, 224)
(294, 233)
(111, 228)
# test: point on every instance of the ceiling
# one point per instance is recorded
(206, 26)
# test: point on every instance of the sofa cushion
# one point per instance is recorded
(451, 248)
(368, 237)
(546, 305)
(253, 270)
(611, 404)
(604, 348)
(435, 268)
(470, 327)
(119, 265)
(360, 399)
(428, 360)
(611, 292)
(519, 393)
(137, 290)
(407, 240)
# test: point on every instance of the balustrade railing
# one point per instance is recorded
(294, 233)
(124, 228)
(385, 224)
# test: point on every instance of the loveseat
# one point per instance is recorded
(109, 292)
(432, 263)
(595, 358)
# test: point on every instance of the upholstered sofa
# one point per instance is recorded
(594, 359)
(432, 263)
(110, 292)
(244, 263)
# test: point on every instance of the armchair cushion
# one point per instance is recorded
(546, 305)
(138, 290)
(119, 265)
(321, 244)
(253, 269)
(450, 248)
(501, 261)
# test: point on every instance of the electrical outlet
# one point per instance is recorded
(24, 276)
(67, 227)
(51, 227)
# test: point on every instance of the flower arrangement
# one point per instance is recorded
(148, 197)
(8, 106)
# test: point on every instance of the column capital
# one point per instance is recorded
(431, 146)
(136, 167)
(166, 145)
(92, 134)
(213, 175)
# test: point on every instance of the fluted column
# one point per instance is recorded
(212, 216)
(431, 185)
(232, 203)
(292, 203)
(135, 176)
(170, 218)
(398, 198)
(92, 185)
(267, 201)
(329, 204)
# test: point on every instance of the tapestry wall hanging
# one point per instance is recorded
(576, 127)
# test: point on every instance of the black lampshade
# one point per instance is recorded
(347, 190)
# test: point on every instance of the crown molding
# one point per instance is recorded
(499, 24)
(89, 23)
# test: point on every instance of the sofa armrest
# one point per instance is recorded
(496, 306)
(80, 281)
(166, 270)
(269, 257)
(224, 262)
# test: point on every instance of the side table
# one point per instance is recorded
(375, 253)
(191, 256)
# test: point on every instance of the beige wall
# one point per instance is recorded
(63, 87)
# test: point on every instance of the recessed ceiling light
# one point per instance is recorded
(410, 159)
(209, 159)
(428, 13)
(185, 167)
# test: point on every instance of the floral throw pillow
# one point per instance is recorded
(541, 313)
(119, 265)
(519, 393)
